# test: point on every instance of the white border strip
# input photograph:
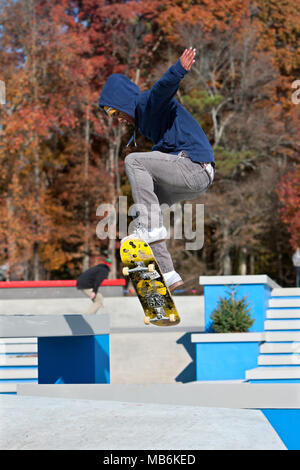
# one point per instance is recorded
(229, 280)
(227, 337)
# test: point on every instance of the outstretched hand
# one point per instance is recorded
(188, 58)
(92, 295)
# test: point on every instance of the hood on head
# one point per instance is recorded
(121, 93)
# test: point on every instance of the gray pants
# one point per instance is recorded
(157, 178)
(97, 303)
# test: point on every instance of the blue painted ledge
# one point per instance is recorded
(257, 289)
(225, 356)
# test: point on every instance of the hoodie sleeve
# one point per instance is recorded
(166, 87)
(102, 274)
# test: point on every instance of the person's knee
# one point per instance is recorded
(131, 160)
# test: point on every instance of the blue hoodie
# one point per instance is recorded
(158, 115)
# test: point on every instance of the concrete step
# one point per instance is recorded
(8, 387)
(286, 292)
(283, 313)
(16, 348)
(18, 341)
(282, 325)
(274, 336)
(13, 360)
(284, 303)
(279, 360)
(268, 373)
(18, 373)
(278, 348)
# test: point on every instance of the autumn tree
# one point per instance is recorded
(46, 132)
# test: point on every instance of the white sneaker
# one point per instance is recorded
(173, 280)
(149, 236)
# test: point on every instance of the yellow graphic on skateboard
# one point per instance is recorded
(149, 284)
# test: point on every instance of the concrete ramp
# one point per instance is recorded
(39, 423)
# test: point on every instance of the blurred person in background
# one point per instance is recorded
(89, 282)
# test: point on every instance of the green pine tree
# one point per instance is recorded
(231, 314)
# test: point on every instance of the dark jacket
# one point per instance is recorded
(93, 277)
(158, 115)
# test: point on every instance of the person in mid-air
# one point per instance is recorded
(89, 282)
(181, 164)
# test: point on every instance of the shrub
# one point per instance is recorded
(231, 314)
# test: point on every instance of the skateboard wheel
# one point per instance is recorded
(151, 268)
(172, 317)
(125, 271)
(147, 320)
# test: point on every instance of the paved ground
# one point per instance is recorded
(60, 423)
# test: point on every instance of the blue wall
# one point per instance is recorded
(257, 296)
(73, 359)
(225, 361)
(286, 423)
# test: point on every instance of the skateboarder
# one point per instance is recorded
(89, 282)
(181, 163)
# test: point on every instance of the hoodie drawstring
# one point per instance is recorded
(133, 138)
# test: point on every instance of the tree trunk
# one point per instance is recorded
(252, 264)
(226, 268)
(113, 169)
(36, 262)
(243, 262)
(86, 246)
(112, 240)
(11, 242)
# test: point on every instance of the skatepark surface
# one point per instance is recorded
(47, 423)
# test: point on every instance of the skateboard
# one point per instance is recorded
(148, 281)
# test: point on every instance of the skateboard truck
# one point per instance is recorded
(140, 268)
(157, 302)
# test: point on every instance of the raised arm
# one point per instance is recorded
(166, 87)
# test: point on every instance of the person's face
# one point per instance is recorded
(123, 118)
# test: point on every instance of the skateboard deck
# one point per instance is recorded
(148, 281)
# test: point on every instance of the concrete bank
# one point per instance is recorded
(39, 423)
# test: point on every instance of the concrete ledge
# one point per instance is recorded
(53, 325)
(229, 280)
(210, 394)
(72, 306)
(227, 337)
(55, 289)
(15, 293)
